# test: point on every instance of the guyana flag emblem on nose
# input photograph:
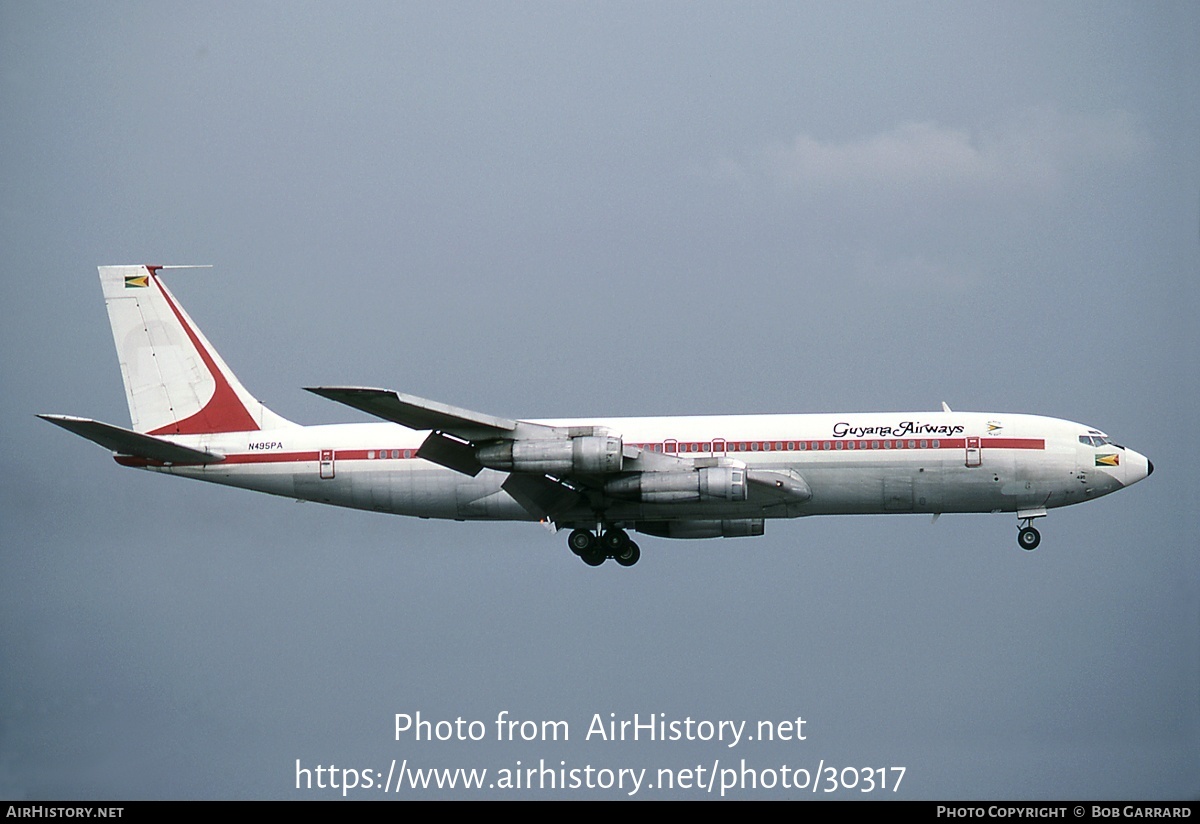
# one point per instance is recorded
(1108, 460)
(137, 282)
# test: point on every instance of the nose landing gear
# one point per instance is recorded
(1029, 538)
(596, 549)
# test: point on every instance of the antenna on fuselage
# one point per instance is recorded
(946, 407)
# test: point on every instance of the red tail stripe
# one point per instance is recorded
(224, 411)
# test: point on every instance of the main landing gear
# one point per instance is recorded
(596, 549)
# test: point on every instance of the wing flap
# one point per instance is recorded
(127, 442)
(539, 495)
(451, 453)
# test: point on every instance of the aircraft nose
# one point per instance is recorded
(1138, 466)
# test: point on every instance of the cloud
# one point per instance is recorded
(1035, 149)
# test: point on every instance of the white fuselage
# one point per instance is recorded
(857, 463)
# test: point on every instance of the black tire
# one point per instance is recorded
(594, 558)
(1029, 538)
(630, 556)
(581, 541)
(614, 541)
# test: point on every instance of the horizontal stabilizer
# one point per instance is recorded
(128, 442)
(419, 413)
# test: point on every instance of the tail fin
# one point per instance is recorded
(175, 382)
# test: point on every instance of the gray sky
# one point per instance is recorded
(541, 210)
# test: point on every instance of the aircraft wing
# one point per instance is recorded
(454, 431)
(551, 469)
(419, 413)
(127, 442)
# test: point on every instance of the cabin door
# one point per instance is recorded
(326, 463)
(974, 452)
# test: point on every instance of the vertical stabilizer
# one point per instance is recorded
(175, 382)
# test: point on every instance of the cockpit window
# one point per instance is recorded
(1094, 440)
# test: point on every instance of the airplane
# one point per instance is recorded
(670, 477)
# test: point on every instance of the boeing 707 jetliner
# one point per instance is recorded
(673, 477)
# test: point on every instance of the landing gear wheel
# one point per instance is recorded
(581, 541)
(1029, 538)
(614, 541)
(629, 556)
(594, 558)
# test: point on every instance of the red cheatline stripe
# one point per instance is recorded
(846, 445)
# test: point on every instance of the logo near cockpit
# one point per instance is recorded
(1108, 460)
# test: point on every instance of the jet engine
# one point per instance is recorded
(716, 483)
(586, 454)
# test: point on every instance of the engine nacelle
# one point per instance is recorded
(588, 454)
(736, 528)
(715, 483)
